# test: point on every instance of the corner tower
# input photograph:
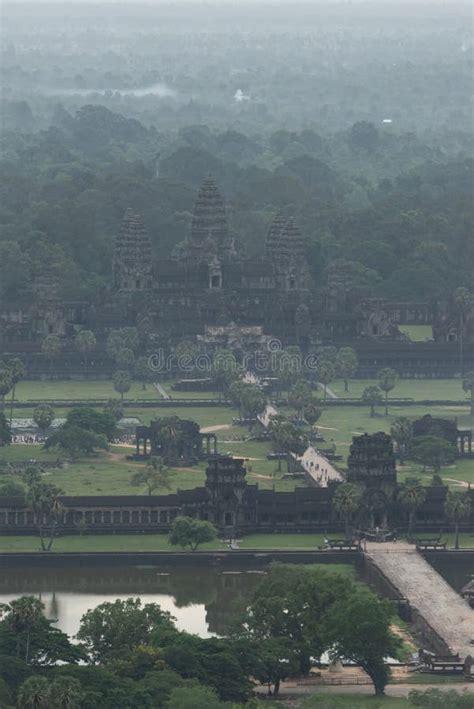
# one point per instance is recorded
(132, 261)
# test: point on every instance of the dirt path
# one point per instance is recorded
(219, 427)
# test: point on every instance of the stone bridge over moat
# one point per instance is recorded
(441, 615)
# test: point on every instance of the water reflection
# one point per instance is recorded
(204, 600)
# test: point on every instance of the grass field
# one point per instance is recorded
(417, 333)
(36, 390)
(354, 701)
(417, 389)
(101, 542)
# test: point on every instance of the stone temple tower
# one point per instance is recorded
(286, 249)
(132, 262)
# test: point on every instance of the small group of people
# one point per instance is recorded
(28, 438)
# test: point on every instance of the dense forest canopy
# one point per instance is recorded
(356, 119)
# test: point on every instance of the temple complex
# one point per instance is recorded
(235, 506)
(208, 283)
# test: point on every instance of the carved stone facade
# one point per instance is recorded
(229, 502)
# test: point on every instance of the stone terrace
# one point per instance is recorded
(446, 612)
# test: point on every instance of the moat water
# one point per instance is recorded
(204, 600)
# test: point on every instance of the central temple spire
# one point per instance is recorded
(209, 217)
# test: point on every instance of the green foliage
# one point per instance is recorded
(387, 380)
(154, 476)
(411, 495)
(434, 698)
(433, 452)
(347, 363)
(27, 634)
(368, 641)
(75, 441)
(91, 420)
(111, 629)
(458, 509)
(43, 416)
(194, 698)
(5, 433)
(122, 382)
(188, 532)
(373, 397)
(12, 489)
(347, 502)
(124, 339)
(401, 431)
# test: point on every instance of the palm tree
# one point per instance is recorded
(373, 397)
(411, 496)
(85, 342)
(468, 386)
(457, 508)
(18, 371)
(326, 373)
(387, 379)
(401, 431)
(23, 614)
(43, 416)
(312, 411)
(34, 693)
(122, 383)
(51, 347)
(463, 299)
(347, 501)
(43, 500)
(298, 396)
(66, 693)
(6, 382)
(346, 364)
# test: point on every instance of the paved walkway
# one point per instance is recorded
(443, 609)
(329, 392)
(318, 467)
(161, 391)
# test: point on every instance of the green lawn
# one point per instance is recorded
(109, 473)
(353, 701)
(37, 390)
(417, 333)
(417, 389)
(341, 424)
(100, 542)
(282, 541)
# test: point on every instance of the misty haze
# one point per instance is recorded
(236, 354)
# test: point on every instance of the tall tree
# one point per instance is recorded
(155, 475)
(346, 364)
(111, 628)
(312, 411)
(298, 397)
(122, 383)
(6, 383)
(458, 509)
(411, 496)
(85, 342)
(387, 379)
(373, 397)
(5, 431)
(463, 300)
(358, 629)
(43, 416)
(51, 347)
(401, 431)
(142, 371)
(18, 371)
(468, 386)
(34, 693)
(346, 502)
(326, 373)
(188, 532)
(433, 452)
(43, 500)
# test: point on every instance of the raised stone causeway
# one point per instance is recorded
(429, 595)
